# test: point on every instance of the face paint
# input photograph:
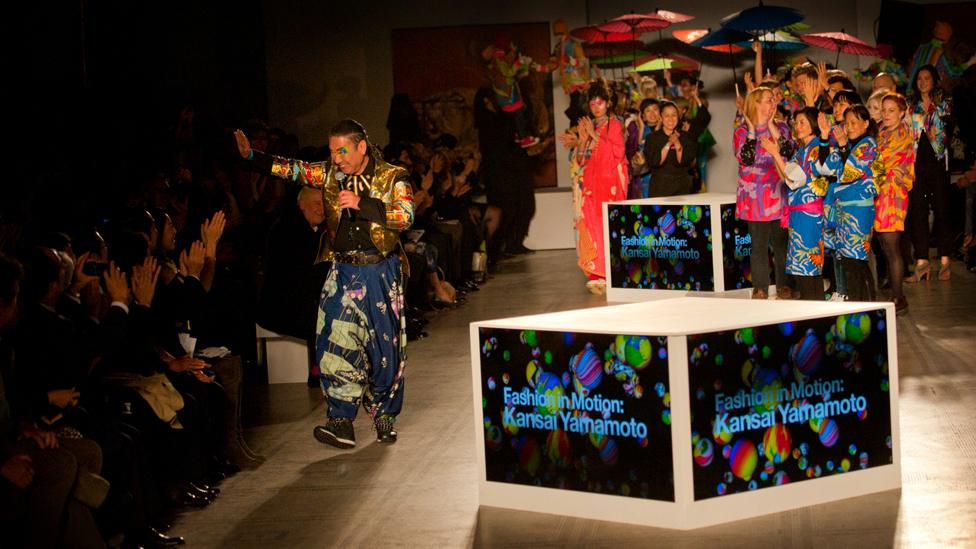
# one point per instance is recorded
(342, 150)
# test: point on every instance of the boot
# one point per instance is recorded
(235, 449)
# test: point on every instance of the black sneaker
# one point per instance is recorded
(384, 428)
(337, 432)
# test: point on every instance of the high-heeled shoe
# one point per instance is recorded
(922, 272)
(944, 272)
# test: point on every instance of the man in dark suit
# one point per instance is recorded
(292, 282)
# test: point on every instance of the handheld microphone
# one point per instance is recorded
(341, 178)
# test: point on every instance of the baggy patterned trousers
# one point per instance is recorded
(361, 338)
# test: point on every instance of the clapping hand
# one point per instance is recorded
(144, 279)
(210, 231)
(773, 128)
(810, 92)
(568, 139)
(823, 125)
(191, 261)
(840, 136)
(822, 75)
(116, 284)
(585, 126)
(243, 145)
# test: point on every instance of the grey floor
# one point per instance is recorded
(421, 492)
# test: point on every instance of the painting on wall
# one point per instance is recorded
(442, 71)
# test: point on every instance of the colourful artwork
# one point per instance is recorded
(572, 412)
(661, 247)
(794, 403)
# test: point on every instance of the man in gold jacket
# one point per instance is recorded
(360, 332)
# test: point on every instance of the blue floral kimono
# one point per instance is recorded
(807, 187)
(850, 200)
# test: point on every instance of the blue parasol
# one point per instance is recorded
(723, 37)
(759, 19)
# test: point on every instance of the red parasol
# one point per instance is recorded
(594, 34)
(841, 42)
(690, 35)
(635, 23)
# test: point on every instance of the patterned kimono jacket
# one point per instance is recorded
(760, 195)
(850, 200)
(894, 172)
(805, 211)
(931, 120)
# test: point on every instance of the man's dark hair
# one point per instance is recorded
(11, 273)
(851, 96)
(807, 69)
(350, 129)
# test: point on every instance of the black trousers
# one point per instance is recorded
(764, 234)
(860, 283)
(931, 190)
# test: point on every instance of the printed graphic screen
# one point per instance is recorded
(661, 247)
(789, 402)
(737, 247)
(575, 411)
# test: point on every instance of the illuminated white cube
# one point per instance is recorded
(673, 246)
(686, 412)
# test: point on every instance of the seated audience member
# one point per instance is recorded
(289, 298)
(42, 477)
(289, 294)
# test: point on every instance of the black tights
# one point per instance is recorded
(891, 246)
(860, 283)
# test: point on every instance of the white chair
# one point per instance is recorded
(285, 357)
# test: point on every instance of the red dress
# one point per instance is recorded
(603, 179)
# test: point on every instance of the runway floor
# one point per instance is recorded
(422, 492)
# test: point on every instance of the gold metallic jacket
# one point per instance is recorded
(389, 183)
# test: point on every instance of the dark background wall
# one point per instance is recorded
(98, 83)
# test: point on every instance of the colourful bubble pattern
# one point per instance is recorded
(650, 247)
(554, 368)
(845, 355)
